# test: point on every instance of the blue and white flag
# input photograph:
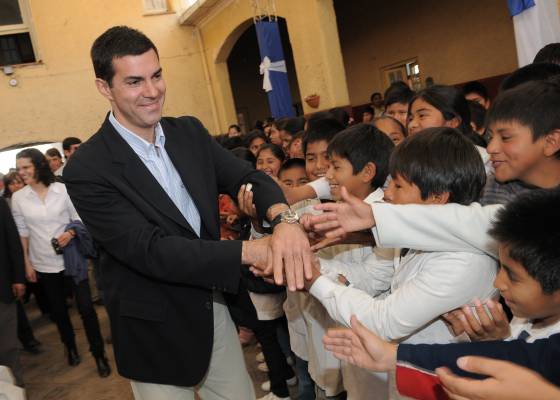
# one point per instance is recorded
(273, 69)
(536, 24)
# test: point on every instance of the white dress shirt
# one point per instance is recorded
(40, 221)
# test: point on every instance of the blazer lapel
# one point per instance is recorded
(183, 153)
(139, 177)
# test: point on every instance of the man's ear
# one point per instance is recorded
(438, 198)
(104, 88)
(552, 143)
(368, 172)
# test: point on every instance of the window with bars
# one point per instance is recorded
(16, 46)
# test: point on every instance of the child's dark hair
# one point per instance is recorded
(274, 149)
(395, 121)
(373, 95)
(341, 115)
(43, 173)
(117, 42)
(236, 127)
(398, 93)
(439, 160)
(244, 154)
(290, 125)
(548, 54)
(369, 110)
(254, 134)
(534, 104)
(528, 227)
(69, 142)
(292, 163)
(478, 113)
(476, 87)
(361, 144)
(531, 72)
(321, 129)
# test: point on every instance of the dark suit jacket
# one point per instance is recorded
(12, 267)
(156, 274)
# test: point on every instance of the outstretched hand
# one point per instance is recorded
(505, 381)
(478, 324)
(338, 219)
(361, 347)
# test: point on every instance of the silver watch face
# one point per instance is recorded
(289, 216)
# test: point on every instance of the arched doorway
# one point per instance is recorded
(251, 101)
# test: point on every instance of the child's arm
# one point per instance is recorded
(430, 293)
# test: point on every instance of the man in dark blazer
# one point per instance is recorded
(12, 286)
(146, 187)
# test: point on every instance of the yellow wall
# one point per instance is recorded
(454, 40)
(57, 98)
(314, 40)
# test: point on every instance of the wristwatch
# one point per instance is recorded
(288, 216)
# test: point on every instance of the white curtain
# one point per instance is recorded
(535, 28)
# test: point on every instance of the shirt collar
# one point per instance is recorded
(138, 144)
(52, 188)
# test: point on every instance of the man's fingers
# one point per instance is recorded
(297, 260)
(326, 226)
(307, 258)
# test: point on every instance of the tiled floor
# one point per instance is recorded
(48, 377)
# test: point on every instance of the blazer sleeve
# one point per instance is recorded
(137, 242)
(449, 227)
(13, 244)
(542, 356)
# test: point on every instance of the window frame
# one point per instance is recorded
(25, 27)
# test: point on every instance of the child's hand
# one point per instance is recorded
(361, 347)
(245, 200)
(481, 326)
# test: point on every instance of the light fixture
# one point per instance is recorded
(8, 70)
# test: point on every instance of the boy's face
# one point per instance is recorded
(513, 153)
(522, 293)
(399, 111)
(255, 145)
(401, 191)
(367, 117)
(340, 173)
(391, 129)
(293, 177)
(316, 159)
(275, 136)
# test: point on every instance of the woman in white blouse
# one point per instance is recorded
(42, 210)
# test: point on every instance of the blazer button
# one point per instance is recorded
(208, 305)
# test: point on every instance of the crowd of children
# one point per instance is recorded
(433, 221)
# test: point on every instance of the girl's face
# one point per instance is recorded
(268, 163)
(255, 145)
(15, 185)
(275, 137)
(26, 170)
(423, 115)
(391, 129)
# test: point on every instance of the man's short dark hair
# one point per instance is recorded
(361, 144)
(531, 72)
(528, 227)
(117, 42)
(53, 152)
(534, 104)
(321, 129)
(398, 93)
(476, 87)
(291, 163)
(43, 172)
(440, 160)
(69, 142)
